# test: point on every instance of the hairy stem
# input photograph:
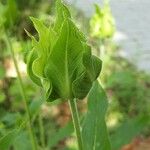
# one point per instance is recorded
(33, 141)
(76, 122)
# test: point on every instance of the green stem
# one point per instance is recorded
(76, 122)
(41, 127)
(33, 141)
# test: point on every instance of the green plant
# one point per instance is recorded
(102, 24)
(102, 29)
(33, 141)
(9, 15)
(61, 62)
(128, 91)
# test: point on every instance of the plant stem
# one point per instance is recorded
(76, 122)
(33, 141)
(42, 135)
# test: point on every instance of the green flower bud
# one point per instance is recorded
(102, 24)
(61, 61)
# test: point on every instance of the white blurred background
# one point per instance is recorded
(133, 27)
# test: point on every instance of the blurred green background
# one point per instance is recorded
(127, 88)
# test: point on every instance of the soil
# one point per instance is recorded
(138, 144)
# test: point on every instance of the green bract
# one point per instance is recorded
(61, 61)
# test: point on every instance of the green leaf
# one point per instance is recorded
(98, 10)
(22, 141)
(8, 139)
(2, 97)
(133, 126)
(61, 134)
(11, 13)
(42, 47)
(82, 85)
(35, 106)
(64, 60)
(2, 72)
(94, 132)
(62, 13)
(37, 58)
(92, 64)
(2, 18)
(93, 67)
(31, 57)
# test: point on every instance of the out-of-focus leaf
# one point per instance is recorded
(122, 79)
(35, 106)
(128, 130)
(22, 142)
(94, 132)
(11, 119)
(8, 139)
(2, 97)
(61, 134)
(11, 13)
(2, 72)
(2, 18)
